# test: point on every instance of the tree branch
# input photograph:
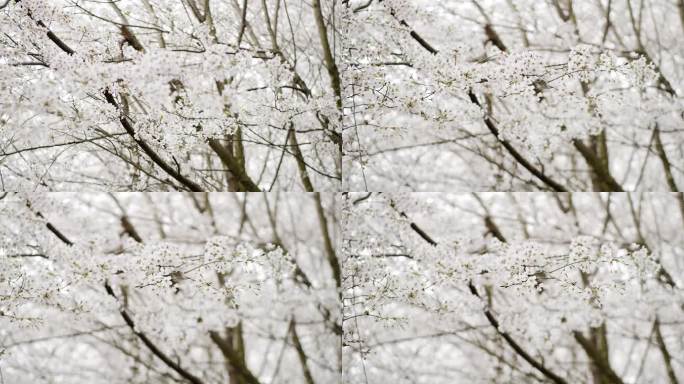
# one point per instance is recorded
(300, 353)
(327, 241)
(129, 321)
(595, 163)
(233, 358)
(596, 358)
(494, 322)
(514, 152)
(127, 126)
(150, 345)
(667, 167)
(230, 162)
(515, 346)
(667, 358)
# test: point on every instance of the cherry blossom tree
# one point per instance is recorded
(161, 288)
(169, 95)
(558, 95)
(341, 191)
(511, 288)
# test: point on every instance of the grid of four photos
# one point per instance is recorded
(341, 191)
